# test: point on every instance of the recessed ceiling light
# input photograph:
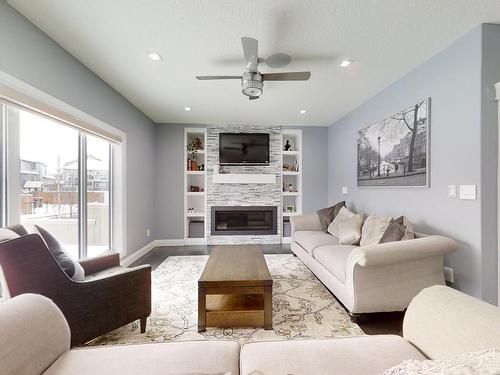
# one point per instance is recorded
(155, 56)
(345, 63)
(303, 111)
(187, 109)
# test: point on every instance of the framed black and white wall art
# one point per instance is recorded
(394, 151)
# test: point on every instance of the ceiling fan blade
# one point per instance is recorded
(253, 97)
(292, 76)
(251, 51)
(205, 78)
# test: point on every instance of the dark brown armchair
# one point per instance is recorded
(109, 297)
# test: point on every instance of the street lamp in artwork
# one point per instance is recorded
(378, 168)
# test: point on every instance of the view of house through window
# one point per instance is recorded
(50, 185)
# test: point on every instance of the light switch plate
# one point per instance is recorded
(452, 191)
(344, 189)
(467, 192)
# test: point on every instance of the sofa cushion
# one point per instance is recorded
(334, 259)
(326, 215)
(311, 239)
(373, 229)
(484, 362)
(347, 227)
(187, 357)
(354, 355)
(399, 229)
(71, 267)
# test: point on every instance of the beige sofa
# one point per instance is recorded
(440, 322)
(377, 278)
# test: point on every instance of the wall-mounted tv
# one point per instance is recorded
(243, 148)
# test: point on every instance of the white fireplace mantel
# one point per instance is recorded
(243, 178)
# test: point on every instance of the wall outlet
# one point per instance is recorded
(449, 274)
(344, 189)
(148, 232)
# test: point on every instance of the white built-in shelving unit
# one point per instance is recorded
(290, 176)
(195, 200)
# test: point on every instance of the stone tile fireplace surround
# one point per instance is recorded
(253, 194)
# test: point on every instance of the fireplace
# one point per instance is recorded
(244, 220)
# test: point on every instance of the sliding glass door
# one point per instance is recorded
(48, 190)
(58, 178)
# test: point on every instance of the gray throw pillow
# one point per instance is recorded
(72, 268)
(398, 230)
(326, 215)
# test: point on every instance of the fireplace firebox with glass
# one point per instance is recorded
(244, 220)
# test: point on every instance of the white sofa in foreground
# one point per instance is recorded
(440, 322)
(376, 278)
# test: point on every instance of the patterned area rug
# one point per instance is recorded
(302, 307)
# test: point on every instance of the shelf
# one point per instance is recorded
(290, 214)
(290, 193)
(196, 172)
(290, 152)
(195, 214)
(247, 178)
(198, 151)
(199, 193)
(290, 173)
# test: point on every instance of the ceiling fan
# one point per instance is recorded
(252, 81)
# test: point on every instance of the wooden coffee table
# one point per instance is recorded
(235, 289)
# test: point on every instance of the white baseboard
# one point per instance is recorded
(175, 242)
(128, 260)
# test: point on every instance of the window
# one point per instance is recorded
(59, 178)
(98, 196)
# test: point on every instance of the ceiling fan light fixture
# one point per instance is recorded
(187, 109)
(251, 84)
(345, 63)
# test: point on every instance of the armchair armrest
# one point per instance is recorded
(402, 251)
(100, 263)
(305, 222)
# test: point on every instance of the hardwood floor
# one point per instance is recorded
(371, 324)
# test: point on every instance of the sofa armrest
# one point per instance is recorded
(100, 263)
(305, 222)
(402, 251)
(442, 322)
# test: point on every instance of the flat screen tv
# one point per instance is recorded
(243, 149)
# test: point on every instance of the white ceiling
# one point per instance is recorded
(386, 38)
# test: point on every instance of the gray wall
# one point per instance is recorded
(458, 148)
(169, 175)
(29, 55)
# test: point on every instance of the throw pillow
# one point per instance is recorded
(484, 362)
(373, 229)
(72, 268)
(326, 215)
(399, 229)
(350, 230)
(347, 227)
(7, 234)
